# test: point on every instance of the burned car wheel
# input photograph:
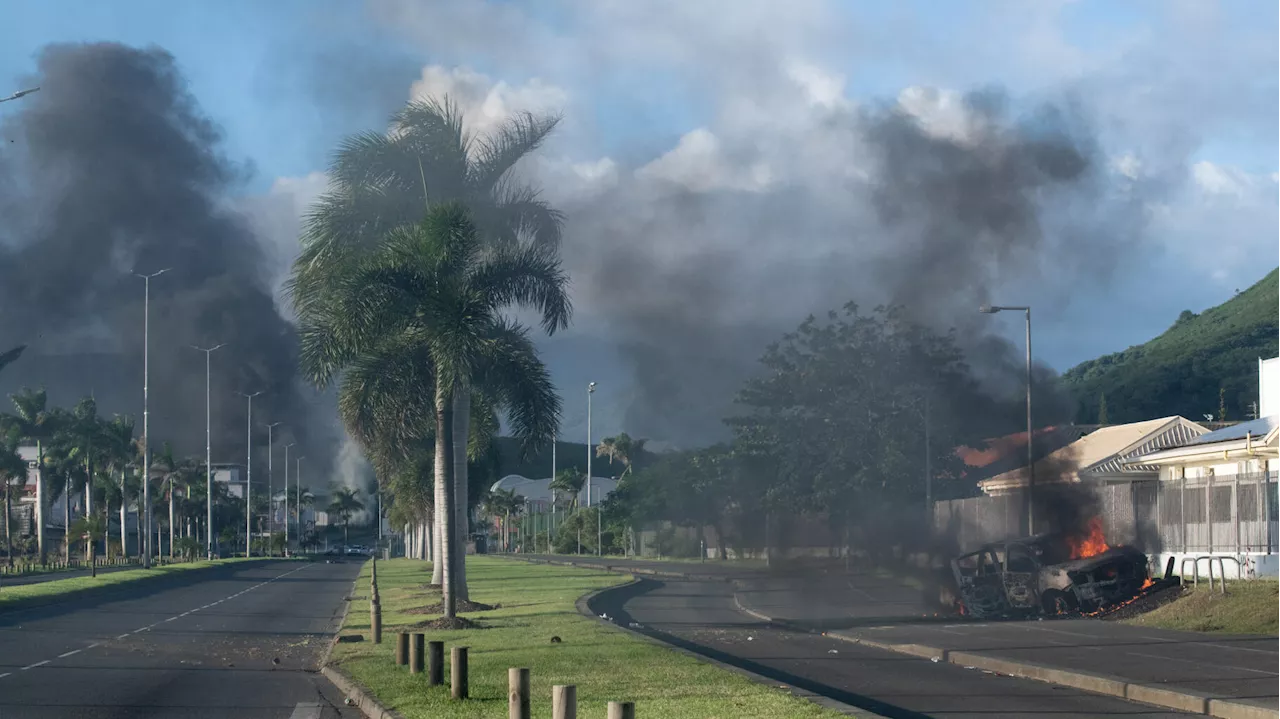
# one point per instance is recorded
(1058, 602)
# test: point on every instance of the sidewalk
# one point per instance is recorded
(1224, 676)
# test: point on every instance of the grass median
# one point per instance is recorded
(1248, 607)
(532, 604)
(56, 590)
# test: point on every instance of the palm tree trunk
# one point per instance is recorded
(437, 561)
(171, 517)
(124, 519)
(444, 497)
(8, 520)
(66, 518)
(461, 433)
(40, 503)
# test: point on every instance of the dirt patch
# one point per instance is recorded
(464, 605)
(450, 624)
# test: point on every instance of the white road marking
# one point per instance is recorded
(310, 711)
(1200, 663)
(304, 710)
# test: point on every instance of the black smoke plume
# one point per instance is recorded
(113, 168)
(693, 284)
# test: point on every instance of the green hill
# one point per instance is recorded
(1183, 370)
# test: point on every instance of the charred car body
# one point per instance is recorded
(1038, 574)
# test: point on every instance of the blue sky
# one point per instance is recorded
(287, 78)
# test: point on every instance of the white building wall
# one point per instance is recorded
(1269, 387)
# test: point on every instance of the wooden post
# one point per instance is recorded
(402, 648)
(375, 621)
(622, 710)
(518, 694)
(435, 663)
(415, 653)
(564, 701)
(458, 672)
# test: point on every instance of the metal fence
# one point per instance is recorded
(1233, 513)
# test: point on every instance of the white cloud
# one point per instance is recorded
(484, 102)
(1221, 180)
(698, 163)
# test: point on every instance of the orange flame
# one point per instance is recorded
(1091, 544)
(1148, 583)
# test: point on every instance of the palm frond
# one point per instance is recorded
(530, 277)
(499, 151)
(519, 382)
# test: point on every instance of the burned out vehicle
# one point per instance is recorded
(1040, 575)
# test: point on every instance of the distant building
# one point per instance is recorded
(232, 475)
(538, 491)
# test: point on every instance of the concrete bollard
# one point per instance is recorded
(564, 701)
(402, 648)
(458, 673)
(435, 664)
(622, 710)
(518, 694)
(415, 653)
(375, 621)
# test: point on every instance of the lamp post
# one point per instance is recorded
(144, 523)
(286, 496)
(271, 497)
(18, 94)
(1031, 468)
(248, 476)
(297, 484)
(591, 389)
(208, 453)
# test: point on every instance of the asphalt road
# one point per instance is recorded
(700, 616)
(239, 641)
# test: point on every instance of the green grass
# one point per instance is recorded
(537, 602)
(59, 589)
(1247, 608)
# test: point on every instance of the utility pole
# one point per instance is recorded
(591, 389)
(248, 477)
(297, 484)
(208, 452)
(286, 497)
(1031, 452)
(144, 517)
(271, 497)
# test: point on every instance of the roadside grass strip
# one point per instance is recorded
(24, 595)
(534, 603)
(1248, 607)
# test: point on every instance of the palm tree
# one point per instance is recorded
(381, 182)
(168, 465)
(570, 482)
(622, 449)
(121, 452)
(343, 504)
(33, 421)
(13, 469)
(80, 441)
(423, 315)
(92, 528)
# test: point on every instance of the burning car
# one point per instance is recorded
(1052, 574)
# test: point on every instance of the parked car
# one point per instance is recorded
(1038, 575)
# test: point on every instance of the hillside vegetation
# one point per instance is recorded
(1202, 364)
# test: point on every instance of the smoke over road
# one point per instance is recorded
(938, 212)
(113, 168)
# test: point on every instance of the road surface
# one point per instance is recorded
(701, 616)
(241, 640)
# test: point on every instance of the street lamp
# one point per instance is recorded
(271, 497)
(248, 476)
(208, 452)
(18, 94)
(286, 496)
(145, 516)
(591, 389)
(297, 483)
(1031, 467)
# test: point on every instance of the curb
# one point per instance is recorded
(364, 701)
(582, 604)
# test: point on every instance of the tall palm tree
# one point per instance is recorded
(343, 504)
(569, 481)
(622, 449)
(380, 182)
(121, 452)
(13, 471)
(165, 462)
(80, 441)
(424, 314)
(33, 421)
